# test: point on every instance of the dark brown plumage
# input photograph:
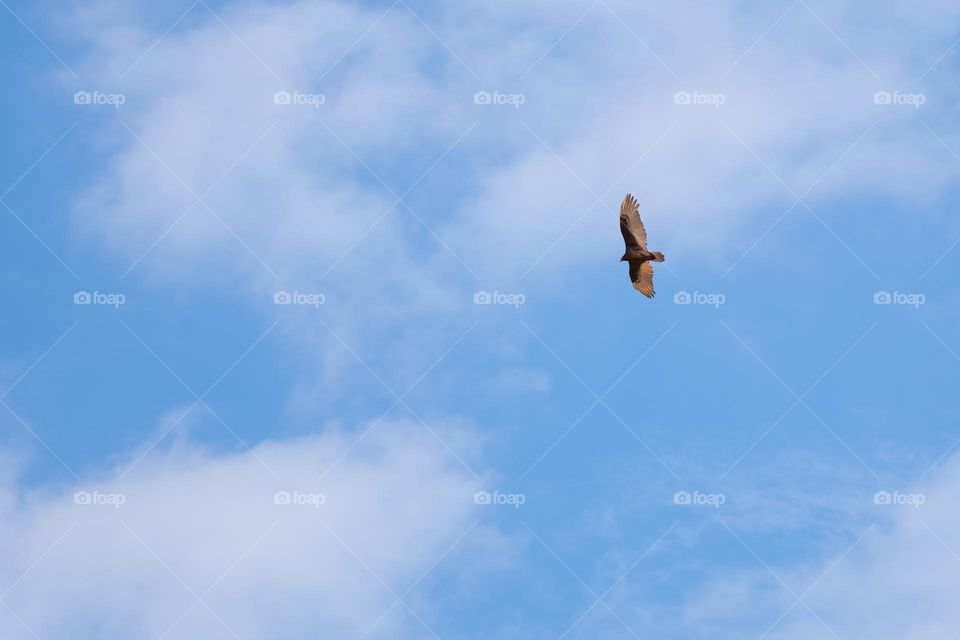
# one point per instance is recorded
(636, 253)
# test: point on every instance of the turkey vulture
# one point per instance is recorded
(635, 239)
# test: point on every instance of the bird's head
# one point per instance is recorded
(623, 258)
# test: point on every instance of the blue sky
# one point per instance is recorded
(200, 461)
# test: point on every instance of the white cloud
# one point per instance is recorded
(892, 575)
(798, 100)
(398, 98)
(397, 500)
(293, 208)
(900, 581)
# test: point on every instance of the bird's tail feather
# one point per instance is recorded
(657, 256)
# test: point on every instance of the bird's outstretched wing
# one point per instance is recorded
(634, 235)
(641, 275)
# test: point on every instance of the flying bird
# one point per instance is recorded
(635, 253)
